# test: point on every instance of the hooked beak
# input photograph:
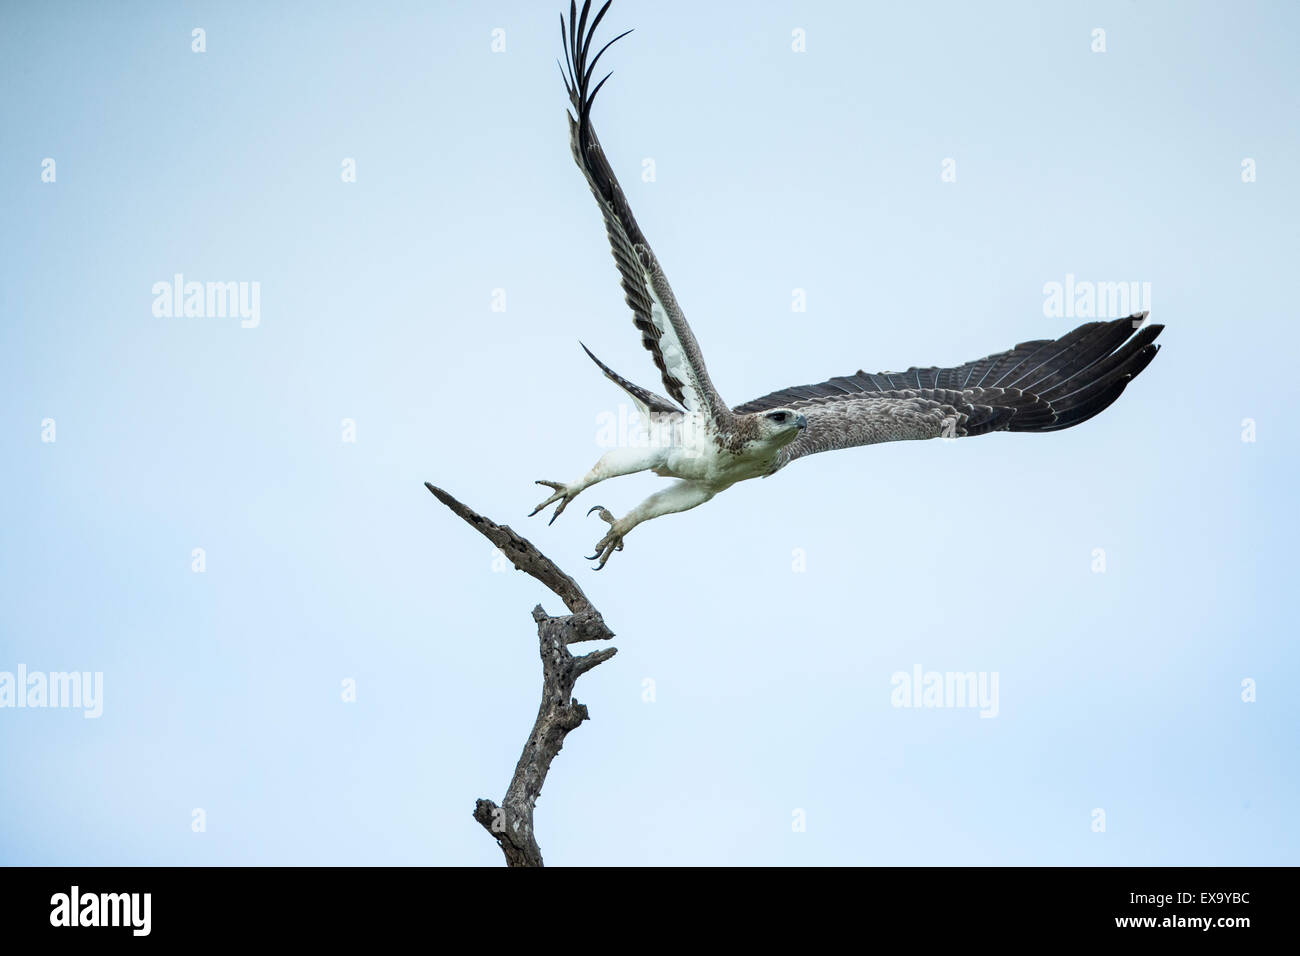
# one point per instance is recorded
(802, 422)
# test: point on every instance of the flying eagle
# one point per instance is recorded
(695, 437)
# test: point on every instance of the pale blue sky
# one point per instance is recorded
(775, 170)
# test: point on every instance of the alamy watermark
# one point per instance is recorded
(176, 298)
(129, 910)
(1075, 299)
(946, 689)
(80, 690)
(628, 428)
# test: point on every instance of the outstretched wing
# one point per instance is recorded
(655, 312)
(1039, 386)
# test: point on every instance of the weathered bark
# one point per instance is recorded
(512, 822)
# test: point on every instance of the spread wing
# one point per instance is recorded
(663, 328)
(1039, 386)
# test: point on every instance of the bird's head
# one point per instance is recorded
(776, 428)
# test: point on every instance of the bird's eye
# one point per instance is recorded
(778, 417)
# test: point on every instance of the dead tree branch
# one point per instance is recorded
(511, 824)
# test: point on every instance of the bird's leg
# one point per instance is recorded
(612, 464)
(681, 496)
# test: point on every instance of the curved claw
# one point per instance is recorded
(595, 508)
(607, 545)
(561, 495)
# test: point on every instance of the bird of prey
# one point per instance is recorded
(708, 446)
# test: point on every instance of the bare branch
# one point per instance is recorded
(521, 553)
(559, 713)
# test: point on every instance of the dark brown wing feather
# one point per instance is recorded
(1040, 386)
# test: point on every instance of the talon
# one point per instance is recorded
(607, 545)
(563, 495)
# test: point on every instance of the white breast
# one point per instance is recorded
(694, 454)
